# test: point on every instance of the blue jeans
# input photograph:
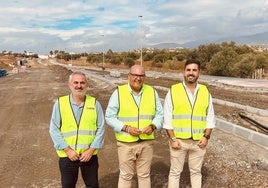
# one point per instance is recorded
(69, 172)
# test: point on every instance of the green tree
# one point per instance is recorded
(158, 60)
(149, 56)
(116, 60)
(94, 58)
(181, 57)
(129, 62)
(245, 67)
(261, 61)
(244, 49)
(222, 62)
(109, 54)
(131, 55)
(206, 52)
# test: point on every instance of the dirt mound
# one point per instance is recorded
(7, 62)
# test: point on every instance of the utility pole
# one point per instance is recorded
(102, 52)
(141, 40)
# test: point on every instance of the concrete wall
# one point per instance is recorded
(253, 136)
(253, 110)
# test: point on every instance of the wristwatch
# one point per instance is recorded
(206, 136)
(173, 139)
(153, 127)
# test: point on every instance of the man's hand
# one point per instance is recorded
(148, 130)
(175, 144)
(72, 155)
(202, 142)
(86, 156)
(134, 131)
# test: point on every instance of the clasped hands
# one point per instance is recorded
(136, 132)
(84, 157)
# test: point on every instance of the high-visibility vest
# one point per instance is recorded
(187, 121)
(78, 135)
(133, 115)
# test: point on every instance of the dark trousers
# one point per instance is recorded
(69, 172)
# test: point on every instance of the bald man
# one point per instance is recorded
(134, 112)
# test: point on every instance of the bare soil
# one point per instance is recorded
(28, 159)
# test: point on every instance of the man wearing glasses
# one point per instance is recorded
(134, 111)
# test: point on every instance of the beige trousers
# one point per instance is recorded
(195, 160)
(135, 158)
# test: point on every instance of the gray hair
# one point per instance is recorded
(76, 73)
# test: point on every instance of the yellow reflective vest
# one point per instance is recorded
(78, 135)
(187, 121)
(133, 115)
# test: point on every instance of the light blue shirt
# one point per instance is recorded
(113, 108)
(55, 124)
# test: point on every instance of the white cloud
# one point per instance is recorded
(41, 26)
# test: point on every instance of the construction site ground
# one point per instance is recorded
(28, 159)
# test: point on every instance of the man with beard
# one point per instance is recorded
(77, 130)
(188, 119)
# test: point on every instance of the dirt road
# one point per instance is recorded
(28, 159)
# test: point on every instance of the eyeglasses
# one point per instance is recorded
(137, 75)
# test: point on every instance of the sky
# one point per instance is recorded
(79, 26)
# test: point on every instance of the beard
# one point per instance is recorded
(191, 79)
(80, 92)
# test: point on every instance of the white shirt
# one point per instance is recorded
(168, 106)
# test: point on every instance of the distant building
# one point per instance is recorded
(43, 56)
(260, 48)
(30, 53)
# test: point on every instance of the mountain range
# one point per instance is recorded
(256, 39)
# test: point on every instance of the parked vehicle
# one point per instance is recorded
(3, 72)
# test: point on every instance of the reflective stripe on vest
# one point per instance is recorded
(189, 122)
(135, 116)
(78, 135)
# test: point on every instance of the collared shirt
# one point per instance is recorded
(55, 123)
(168, 106)
(113, 108)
